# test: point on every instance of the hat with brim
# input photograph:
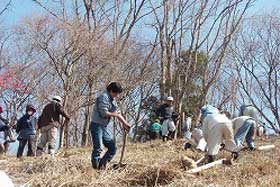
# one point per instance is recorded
(169, 98)
(57, 98)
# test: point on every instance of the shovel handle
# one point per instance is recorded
(123, 147)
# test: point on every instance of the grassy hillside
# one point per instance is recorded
(149, 164)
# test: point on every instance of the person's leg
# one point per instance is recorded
(250, 135)
(96, 135)
(42, 142)
(171, 135)
(214, 141)
(152, 135)
(2, 149)
(242, 133)
(228, 138)
(52, 133)
(30, 151)
(21, 147)
(110, 144)
(164, 130)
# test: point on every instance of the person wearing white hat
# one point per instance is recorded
(48, 124)
(166, 114)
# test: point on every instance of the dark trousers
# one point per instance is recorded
(170, 136)
(154, 135)
(30, 145)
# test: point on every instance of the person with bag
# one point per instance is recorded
(26, 128)
(48, 124)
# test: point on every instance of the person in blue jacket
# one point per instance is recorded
(26, 128)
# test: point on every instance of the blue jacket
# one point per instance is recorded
(26, 127)
(104, 103)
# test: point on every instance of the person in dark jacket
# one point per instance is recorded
(167, 116)
(26, 128)
(48, 124)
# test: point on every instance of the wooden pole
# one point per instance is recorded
(265, 147)
(207, 166)
(123, 148)
(201, 160)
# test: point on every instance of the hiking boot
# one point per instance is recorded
(39, 152)
(95, 164)
(52, 152)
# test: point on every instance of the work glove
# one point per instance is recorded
(235, 155)
(211, 158)
(222, 146)
(251, 148)
(188, 146)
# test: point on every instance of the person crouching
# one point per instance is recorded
(245, 128)
(217, 129)
(26, 128)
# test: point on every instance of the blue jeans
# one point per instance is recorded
(102, 134)
(246, 132)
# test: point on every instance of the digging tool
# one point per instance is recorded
(207, 166)
(121, 164)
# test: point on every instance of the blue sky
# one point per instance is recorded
(22, 8)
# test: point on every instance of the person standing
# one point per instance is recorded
(48, 124)
(26, 128)
(166, 114)
(104, 109)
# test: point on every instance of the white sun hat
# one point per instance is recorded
(57, 98)
(170, 98)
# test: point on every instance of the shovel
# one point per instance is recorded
(121, 164)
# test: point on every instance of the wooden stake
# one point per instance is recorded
(123, 147)
(207, 166)
(201, 160)
(265, 147)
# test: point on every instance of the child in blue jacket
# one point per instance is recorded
(26, 128)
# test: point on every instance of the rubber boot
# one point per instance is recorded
(211, 158)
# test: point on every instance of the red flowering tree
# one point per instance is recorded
(9, 80)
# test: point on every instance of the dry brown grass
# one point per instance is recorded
(149, 164)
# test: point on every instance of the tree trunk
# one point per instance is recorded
(64, 130)
(85, 136)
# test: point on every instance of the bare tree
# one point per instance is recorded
(256, 53)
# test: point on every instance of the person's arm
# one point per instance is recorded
(124, 123)
(64, 114)
(205, 129)
(18, 125)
